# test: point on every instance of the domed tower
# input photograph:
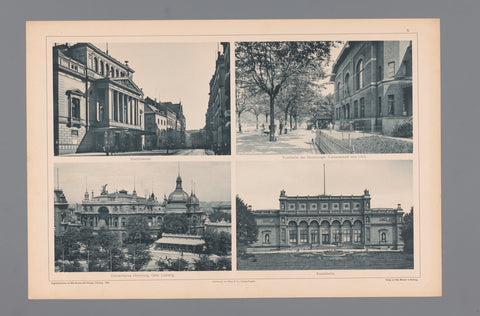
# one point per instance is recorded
(177, 200)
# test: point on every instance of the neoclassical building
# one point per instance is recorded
(97, 105)
(373, 85)
(113, 210)
(328, 221)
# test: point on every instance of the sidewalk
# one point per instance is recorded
(254, 142)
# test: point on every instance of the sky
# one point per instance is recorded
(172, 72)
(212, 179)
(389, 181)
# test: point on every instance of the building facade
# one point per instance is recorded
(156, 123)
(174, 127)
(217, 118)
(113, 210)
(97, 105)
(373, 86)
(328, 221)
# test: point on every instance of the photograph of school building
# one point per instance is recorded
(334, 223)
(113, 228)
(99, 107)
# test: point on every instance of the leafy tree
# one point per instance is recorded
(138, 256)
(219, 243)
(67, 246)
(138, 230)
(247, 230)
(407, 232)
(204, 263)
(217, 216)
(175, 224)
(179, 264)
(224, 263)
(270, 66)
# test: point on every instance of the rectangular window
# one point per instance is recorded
(346, 235)
(391, 104)
(391, 69)
(303, 236)
(357, 236)
(292, 236)
(367, 232)
(314, 236)
(355, 109)
(379, 108)
(76, 108)
(362, 107)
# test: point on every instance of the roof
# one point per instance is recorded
(104, 54)
(174, 239)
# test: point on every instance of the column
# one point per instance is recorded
(308, 234)
(120, 107)
(298, 235)
(125, 105)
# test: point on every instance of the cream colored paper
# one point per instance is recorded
(424, 280)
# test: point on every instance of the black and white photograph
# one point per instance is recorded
(142, 218)
(342, 215)
(141, 98)
(324, 97)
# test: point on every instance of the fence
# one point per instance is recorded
(330, 145)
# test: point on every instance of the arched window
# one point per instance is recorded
(112, 73)
(346, 85)
(116, 73)
(383, 237)
(338, 91)
(102, 69)
(359, 77)
(267, 238)
(95, 64)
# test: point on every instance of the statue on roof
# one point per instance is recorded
(104, 189)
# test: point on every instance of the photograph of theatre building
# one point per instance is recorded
(352, 210)
(141, 98)
(142, 219)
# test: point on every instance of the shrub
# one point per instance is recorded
(346, 126)
(404, 129)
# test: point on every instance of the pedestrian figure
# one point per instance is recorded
(281, 127)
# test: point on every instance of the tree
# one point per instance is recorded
(138, 256)
(175, 224)
(270, 66)
(241, 107)
(247, 230)
(204, 263)
(218, 243)
(407, 232)
(138, 230)
(217, 216)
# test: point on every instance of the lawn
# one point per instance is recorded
(324, 261)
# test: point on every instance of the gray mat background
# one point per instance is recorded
(460, 113)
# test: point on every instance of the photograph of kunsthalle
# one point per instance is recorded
(141, 99)
(330, 97)
(142, 219)
(340, 215)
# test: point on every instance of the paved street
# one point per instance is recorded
(254, 142)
